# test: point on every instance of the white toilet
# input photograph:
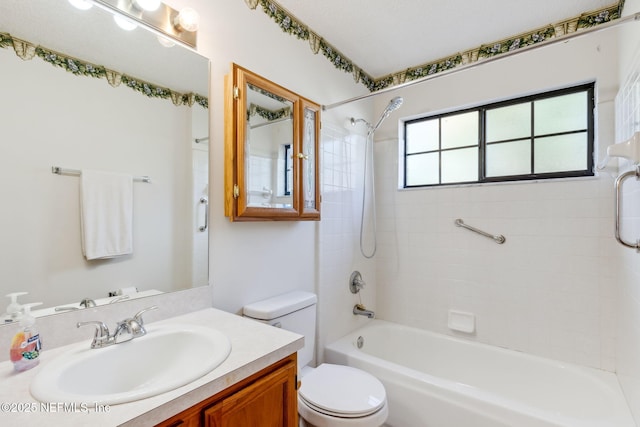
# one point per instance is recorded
(330, 395)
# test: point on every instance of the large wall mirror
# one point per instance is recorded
(148, 118)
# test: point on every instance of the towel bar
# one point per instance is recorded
(61, 171)
(204, 201)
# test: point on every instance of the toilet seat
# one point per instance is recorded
(342, 391)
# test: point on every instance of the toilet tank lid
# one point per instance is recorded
(280, 305)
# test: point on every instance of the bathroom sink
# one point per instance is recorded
(167, 357)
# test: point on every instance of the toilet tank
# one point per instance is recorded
(293, 311)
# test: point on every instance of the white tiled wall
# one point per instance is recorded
(341, 180)
(628, 102)
(547, 290)
(550, 289)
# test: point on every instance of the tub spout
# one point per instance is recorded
(360, 310)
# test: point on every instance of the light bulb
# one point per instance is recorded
(187, 20)
(124, 23)
(82, 4)
(148, 5)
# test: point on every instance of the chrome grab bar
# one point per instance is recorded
(619, 179)
(499, 239)
(205, 202)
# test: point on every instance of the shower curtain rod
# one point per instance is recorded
(563, 38)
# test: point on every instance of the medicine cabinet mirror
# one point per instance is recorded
(271, 152)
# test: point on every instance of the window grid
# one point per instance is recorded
(588, 89)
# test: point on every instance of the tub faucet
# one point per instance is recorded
(360, 310)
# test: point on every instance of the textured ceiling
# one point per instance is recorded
(385, 37)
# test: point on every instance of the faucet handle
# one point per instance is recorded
(87, 302)
(355, 282)
(138, 316)
(134, 326)
(101, 337)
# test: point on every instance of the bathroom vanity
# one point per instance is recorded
(267, 398)
(256, 381)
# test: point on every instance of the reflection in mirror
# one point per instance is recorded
(81, 94)
(269, 133)
(286, 157)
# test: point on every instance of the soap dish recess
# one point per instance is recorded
(462, 321)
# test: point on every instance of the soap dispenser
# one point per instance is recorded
(14, 309)
(26, 344)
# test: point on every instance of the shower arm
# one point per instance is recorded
(382, 118)
(620, 21)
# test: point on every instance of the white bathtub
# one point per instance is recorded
(434, 380)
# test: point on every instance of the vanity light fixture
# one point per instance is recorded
(149, 5)
(179, 26)
(81, 4)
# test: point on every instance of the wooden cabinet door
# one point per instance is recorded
(269, 402)
(189, 418)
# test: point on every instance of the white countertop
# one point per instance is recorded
(254, 346)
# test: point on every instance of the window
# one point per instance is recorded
(548, 135)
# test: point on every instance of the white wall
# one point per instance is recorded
(549, 289)
(628, 289)
(251, 261)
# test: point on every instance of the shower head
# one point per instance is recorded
(355, 121)
(393, 105)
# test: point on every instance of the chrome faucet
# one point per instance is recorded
(360, 310)
(87, 302)
(126, 330)
(101, 338)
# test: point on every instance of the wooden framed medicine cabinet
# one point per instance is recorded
(271, 151)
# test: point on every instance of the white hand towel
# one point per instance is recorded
(106, 214)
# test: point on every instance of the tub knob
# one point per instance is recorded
(355, 282)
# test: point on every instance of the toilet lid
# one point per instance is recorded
(343, 391)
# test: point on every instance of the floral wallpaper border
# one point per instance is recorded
(78, 67)
(292, 25)
(265, 113)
